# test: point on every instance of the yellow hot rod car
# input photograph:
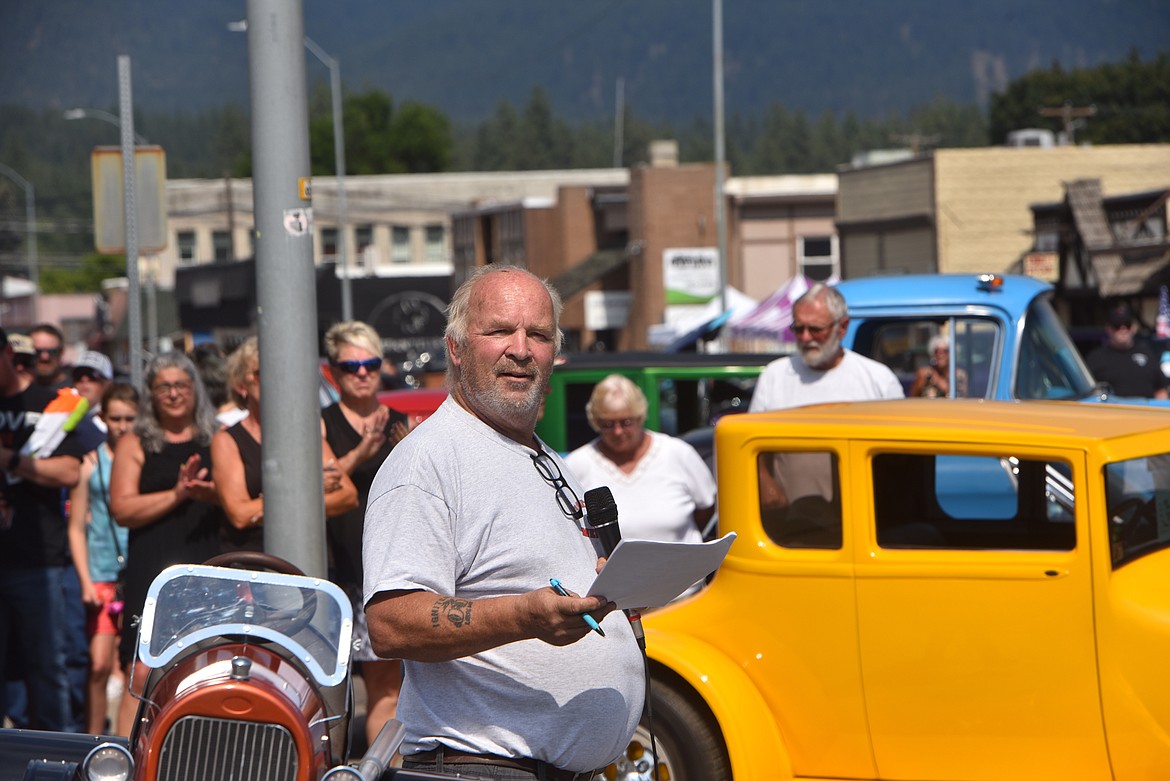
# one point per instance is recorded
(928, 589)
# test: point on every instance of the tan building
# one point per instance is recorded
(606, 249)
(967, 210)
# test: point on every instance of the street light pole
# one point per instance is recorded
(30, 231)
(338, 158)
(339, 163)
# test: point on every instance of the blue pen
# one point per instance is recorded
(596, 627)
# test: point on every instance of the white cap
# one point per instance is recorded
(95, 361)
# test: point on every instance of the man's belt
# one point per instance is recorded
(443, 756)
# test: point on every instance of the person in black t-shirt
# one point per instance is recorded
(37, 580)
(1129, 368)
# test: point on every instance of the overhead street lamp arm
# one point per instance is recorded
(105, 116)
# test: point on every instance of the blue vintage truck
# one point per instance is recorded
(1004, 333)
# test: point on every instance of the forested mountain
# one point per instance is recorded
(466, 56)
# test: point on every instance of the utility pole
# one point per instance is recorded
(130, 216)
(720, 211)
(1067, 113)
(286, 289)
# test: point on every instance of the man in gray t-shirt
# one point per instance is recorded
(468, 519)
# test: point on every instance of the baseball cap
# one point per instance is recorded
(22, 344)
(96, 362)
(1120, 315)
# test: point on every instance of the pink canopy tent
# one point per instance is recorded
(768, 327)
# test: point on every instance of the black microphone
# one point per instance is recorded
(601, 515)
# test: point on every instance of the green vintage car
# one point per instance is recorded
(685, 391)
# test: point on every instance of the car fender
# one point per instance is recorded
(754, 744)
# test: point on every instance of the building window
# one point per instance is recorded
(818, 257)
(329, 243)
(363, 238)
(400, 244)
(186, 241)
(221, 243)
(436, 244)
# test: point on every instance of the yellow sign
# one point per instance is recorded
(305, 188)
(150, 199)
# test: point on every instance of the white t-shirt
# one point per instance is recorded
(459, 509)
(789, 382)
(658, 499)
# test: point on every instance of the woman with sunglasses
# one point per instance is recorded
(661, 484)
(238, 470)
(361, 432)
(161, 489)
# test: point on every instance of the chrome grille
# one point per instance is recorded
(202, 749)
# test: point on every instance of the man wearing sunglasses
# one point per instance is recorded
(822, 370)
(469, 518)
(48, 342)
(1128, 367)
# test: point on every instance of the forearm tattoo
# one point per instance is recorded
(456, 611)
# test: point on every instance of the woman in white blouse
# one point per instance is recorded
(663, 489)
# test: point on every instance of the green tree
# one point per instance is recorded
(420, 139)
(87, 278)
(494, 147)
(545, 141)
(1131, 100)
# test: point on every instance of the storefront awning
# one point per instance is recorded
(570, 283)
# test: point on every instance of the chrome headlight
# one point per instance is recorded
(107, 762)
(343, 773)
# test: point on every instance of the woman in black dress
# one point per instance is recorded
(361, 432)
(161, 489)
(239, 471)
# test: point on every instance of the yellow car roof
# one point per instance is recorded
(954, 420)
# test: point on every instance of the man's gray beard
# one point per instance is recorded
(522, 410)
(826, 354)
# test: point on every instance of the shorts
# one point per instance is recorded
(362, 650)
(105, 618)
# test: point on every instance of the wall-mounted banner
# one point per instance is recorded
(690, 275)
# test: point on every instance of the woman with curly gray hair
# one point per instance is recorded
(161, 489)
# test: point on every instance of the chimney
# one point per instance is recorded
(664, 154)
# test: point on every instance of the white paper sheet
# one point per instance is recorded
(647, 574)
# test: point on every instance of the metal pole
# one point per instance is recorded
(130, 209)
(294, 499)
(618, 125)
(30, 234)
(720, 216)
(339, 164)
